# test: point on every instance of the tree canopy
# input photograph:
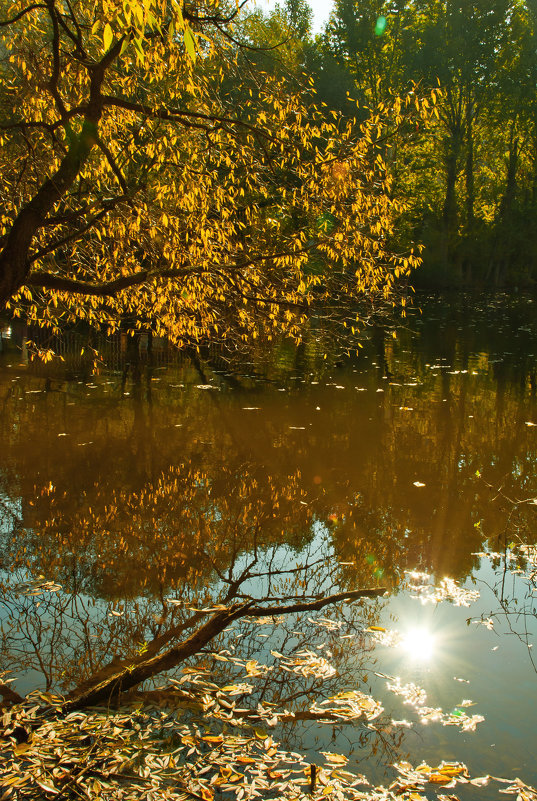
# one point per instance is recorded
(151, 179)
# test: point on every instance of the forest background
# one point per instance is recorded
(470, 176)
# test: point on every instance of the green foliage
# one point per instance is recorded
(471, 178)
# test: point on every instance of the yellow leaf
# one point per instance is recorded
(189, 43)
(107, 36)
(336, 759)
(439, 778)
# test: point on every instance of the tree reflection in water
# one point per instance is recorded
(147, 506)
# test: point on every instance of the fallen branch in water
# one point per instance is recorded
(116, 678)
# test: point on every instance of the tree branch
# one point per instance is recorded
(116, 679)
(214, 18)
(46, 280)
(184, 116)
(109, 288)
(319, 603)
(51, 247)
(4, 23)
(14, 262)
(113, 165)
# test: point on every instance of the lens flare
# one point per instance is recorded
(380, 26)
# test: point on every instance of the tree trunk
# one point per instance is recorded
(469, 167)
(450, 211)
(14, 261)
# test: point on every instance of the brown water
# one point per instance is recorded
(292, 475)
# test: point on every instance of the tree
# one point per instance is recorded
(138, 189)
(372, 39)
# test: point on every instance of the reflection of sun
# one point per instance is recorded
(419, 644)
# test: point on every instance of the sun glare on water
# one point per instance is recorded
(419, 644)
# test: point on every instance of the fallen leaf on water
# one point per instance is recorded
(452, 768)
(48, 786)
(21, 748)
(480, 781)
(253, 668)
(335, 759)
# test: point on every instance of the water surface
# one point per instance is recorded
(198, 481)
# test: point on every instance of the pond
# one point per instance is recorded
(129, 499)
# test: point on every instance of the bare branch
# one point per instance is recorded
(118, 678)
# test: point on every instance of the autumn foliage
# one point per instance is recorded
(150, 180)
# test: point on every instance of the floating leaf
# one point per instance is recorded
(335, 759)
(48, 786)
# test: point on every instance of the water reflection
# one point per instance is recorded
(191, 487)
(419, 644)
